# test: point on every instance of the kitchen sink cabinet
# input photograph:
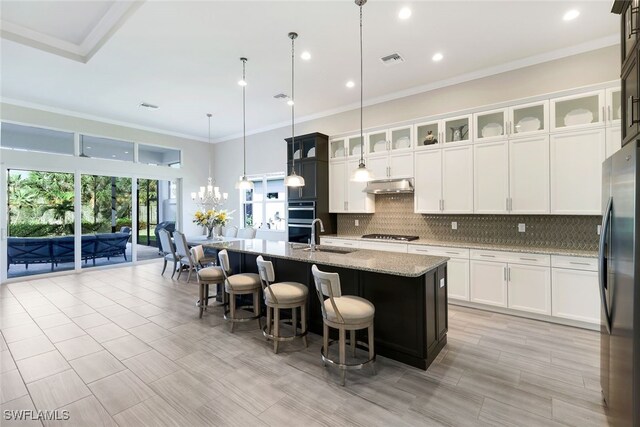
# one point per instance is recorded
(576, 172)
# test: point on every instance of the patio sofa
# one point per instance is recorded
(54, 250)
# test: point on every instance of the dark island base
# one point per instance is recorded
(411, 312)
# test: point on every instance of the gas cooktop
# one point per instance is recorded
(390, 237)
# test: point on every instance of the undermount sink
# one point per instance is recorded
(331, 250)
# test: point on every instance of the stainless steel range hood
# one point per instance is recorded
(390, 186)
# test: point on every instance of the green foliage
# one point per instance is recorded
(25, 229)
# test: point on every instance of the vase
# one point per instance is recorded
(210, 231)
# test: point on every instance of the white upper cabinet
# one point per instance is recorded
(377, 143)
(357, 200)
(390, 154)
(354, 145)
(576, 172)
(338, 187)
(573, 112)
(491, 177)
(337, 149)
(428, 135)
(528, 119)
(428, 181)
(614, 107)
(401, 138)
(457, 179)
(457, 130)
(529, 175)
(490, 125)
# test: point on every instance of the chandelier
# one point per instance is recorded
(209, 196)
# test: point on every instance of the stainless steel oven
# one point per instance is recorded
(300, 215)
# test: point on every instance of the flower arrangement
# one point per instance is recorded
(211, 219)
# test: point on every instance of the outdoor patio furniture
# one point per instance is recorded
(28, 250)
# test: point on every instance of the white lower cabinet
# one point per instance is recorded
(488, 282)
(458, 279)
(529, 288)
(343, 243)
(576, 295)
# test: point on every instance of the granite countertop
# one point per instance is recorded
(483, 246)
(408, 265)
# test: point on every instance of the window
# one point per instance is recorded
(27, 138)
(105, 148)
(158, 156)
(264, 206)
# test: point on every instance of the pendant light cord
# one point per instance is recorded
(209, 116)
(244, 121)
(293, 105)
(361, 94)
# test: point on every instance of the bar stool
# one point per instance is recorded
(344, 313)
(278, 296)
(211, 275)
(239, 284)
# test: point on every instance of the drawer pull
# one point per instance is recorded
(528, 259)
(421, 250)
(488, 256)
(579, 263)
(452, 253)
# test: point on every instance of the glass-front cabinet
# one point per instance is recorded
(428, 135)
(578, 111)
(614, 106)
(354, 145)
(491, 125)
(457, 129)
(401, 138)
(337, 149)
(528, 119)
(377, 142)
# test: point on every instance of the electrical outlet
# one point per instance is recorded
(454, 225)
(357, 223)
(598, 228)
(522, 228)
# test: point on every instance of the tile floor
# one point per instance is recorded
(125, 347)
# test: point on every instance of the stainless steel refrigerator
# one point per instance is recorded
(620, 287)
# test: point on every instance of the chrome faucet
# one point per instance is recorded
(312, 243)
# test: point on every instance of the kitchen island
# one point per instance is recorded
(409, 291)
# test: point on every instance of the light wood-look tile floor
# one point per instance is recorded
(125, 347)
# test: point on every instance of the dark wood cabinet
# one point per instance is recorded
(308, 170)
(630, 55)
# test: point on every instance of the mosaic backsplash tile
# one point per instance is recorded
(394, 215)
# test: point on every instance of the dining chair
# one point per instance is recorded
(184, 254)
(231, 231)
(168, 251)
(247, 233)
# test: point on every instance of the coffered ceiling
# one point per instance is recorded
(103, 58)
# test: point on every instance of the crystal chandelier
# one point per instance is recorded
(209, 196)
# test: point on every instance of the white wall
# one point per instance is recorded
(266, 151)
(195, 154)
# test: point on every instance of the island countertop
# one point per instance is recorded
(407, 265)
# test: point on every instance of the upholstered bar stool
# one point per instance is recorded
(239, 284)
(279, 296)
(207, 275)
(344, 313)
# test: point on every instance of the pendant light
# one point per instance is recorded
(244, 183)
(362, 174)
(293, 179)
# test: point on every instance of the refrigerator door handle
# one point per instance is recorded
(602, 263)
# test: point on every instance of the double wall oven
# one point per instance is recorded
(300, 215)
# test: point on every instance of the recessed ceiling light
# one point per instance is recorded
(404, 13)
(290, 102)
(350, 84)
(437, 57)
(242, 82)
(571, 15)
(88, 148)
(126, 152)
(147, 105)
(113, 155)
(305, 55)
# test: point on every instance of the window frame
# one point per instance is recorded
(263, 180)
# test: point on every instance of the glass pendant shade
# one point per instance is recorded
(362, 174)
(294, 180)
(244, 184)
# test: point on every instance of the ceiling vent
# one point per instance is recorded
(392, 59)
(147, 105)
(281, 96)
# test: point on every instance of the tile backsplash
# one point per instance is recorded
(394, 215)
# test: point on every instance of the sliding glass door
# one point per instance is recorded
(40, 222)
(156, 201)
(106, 220)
